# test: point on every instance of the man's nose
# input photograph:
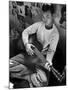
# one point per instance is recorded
(45, 20)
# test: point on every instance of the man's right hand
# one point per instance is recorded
(47, 66)
(29, 49)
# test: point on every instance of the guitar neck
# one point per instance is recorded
(42, 58)
(39, 55)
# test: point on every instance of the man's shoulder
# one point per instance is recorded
(55, 32)
(38, 23)
(55, 29)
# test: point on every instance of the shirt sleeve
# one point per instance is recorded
(52, 48)
(30, 30)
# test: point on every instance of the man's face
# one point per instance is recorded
(47, 18)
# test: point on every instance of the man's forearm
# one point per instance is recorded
(49, 56)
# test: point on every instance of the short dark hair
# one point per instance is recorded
(47, 7)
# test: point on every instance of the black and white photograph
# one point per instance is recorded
(37, 44)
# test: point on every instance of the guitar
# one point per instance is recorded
(43, 60)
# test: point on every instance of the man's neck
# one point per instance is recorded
(48, 27)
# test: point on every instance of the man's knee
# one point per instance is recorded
(18, 59)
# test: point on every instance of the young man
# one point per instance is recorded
(46, 31)
(48, 36)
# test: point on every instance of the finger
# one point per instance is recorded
(48, 66)
(43, 50)
(30, 52)
(43, 53)
(32, 45)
